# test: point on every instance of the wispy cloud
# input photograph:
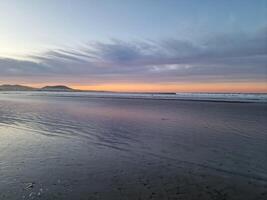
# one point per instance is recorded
(223, 57)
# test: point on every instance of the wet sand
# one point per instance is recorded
(107, 148)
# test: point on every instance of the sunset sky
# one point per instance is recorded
(135, 45)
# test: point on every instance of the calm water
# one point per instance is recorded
(67, 147)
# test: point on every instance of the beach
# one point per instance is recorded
(77, 146)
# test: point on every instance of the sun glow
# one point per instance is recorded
(179, 87)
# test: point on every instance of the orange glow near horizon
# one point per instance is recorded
(260, 87)
(216, 87)
(232, 87)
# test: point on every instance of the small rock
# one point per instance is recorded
(29, 186)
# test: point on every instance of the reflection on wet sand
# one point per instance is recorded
(76, 148)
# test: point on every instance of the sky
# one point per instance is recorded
(135, 45)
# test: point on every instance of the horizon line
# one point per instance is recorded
(150, 88)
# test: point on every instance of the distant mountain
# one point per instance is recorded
(57, 88)
(16, 88)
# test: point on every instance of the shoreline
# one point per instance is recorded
(201, 97)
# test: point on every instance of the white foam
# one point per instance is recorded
(232, 97)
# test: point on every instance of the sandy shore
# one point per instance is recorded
(75, 148)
